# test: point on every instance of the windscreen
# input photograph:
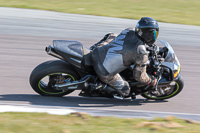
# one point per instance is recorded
(170, 57)
(171, 60)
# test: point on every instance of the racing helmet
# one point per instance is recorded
(147, 29)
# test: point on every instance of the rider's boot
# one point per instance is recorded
(121, 86)
(122, 92)
(93, 89)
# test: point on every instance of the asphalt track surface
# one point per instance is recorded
(24, 34)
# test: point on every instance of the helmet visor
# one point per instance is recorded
(149, 35)
(155, 34)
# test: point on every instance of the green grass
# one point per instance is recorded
(76, 123)
(173, 11)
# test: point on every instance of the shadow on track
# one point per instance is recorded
(73, 101)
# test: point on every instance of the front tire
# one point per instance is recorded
(41, 77)
(178, 87)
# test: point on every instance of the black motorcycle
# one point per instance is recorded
(74, 71)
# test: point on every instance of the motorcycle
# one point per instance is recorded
(74, 71)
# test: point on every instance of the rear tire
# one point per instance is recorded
(47, 69)
(179, 84)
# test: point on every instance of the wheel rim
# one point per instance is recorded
(164, 97)
(43, 86)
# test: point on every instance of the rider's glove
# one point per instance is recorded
(152, 82)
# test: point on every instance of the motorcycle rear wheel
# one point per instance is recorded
(177, 88)
(43, 76)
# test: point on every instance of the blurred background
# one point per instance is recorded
(173, 11)
(24, 34)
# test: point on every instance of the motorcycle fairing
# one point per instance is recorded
(71, 47)
(171, 59)
(71, 51)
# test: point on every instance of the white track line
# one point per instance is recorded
(12, 107)
(142, 111)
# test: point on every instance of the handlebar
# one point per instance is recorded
(155, 61)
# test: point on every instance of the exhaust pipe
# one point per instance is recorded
(75, 85)
(51, 51)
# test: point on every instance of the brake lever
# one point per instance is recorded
(158, 79)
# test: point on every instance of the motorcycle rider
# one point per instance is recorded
(115, 53)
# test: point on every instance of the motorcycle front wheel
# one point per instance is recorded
(172, 90)
(45, 75)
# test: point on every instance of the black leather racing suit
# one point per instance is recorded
(125, 50)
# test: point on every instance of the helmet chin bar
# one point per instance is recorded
(148, 38)
(150, 43)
